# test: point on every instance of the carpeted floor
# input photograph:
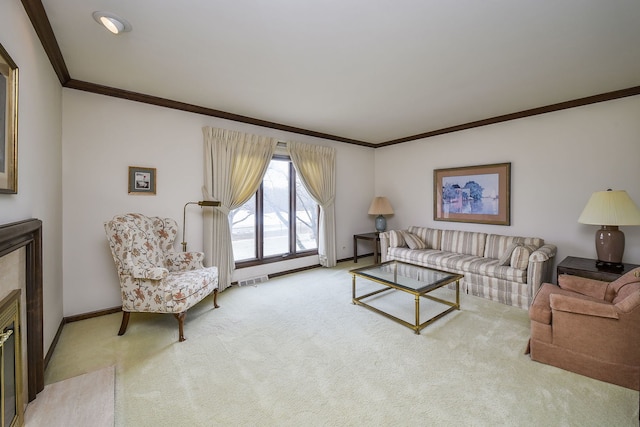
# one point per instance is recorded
(294, 351)
(85, 400)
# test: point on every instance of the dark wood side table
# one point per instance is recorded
(373, 237)
(584, 267)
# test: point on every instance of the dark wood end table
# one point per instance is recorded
(373, 237)
(585, 267)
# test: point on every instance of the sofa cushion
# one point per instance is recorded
(458, 263)
(430, 236)
(490, 268)
(396, 239)
(463, 242)
(413, 241)
(420, 257)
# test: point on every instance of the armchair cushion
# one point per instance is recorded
(624, 286)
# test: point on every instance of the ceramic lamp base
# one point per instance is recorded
(610, 244)
(381, 223)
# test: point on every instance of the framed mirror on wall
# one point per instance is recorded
(8, 123)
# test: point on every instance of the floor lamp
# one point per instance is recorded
(201, 203)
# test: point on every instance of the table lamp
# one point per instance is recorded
(380, 206)
(184, 217)
(610, 209)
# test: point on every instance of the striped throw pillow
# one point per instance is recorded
(396, 239)
(505, 259)
(413, 241)
(520, 257)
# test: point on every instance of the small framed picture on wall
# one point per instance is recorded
(142, 180)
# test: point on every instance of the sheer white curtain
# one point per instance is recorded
(316, 166)
(235, 163)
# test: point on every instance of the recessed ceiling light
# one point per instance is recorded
(112, 22)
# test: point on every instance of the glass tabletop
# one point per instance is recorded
(408, 276)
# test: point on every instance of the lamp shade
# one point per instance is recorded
(380, 206)
(610, 208)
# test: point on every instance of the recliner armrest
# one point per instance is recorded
(586, 307)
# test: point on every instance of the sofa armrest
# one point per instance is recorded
(154, 273)
(586, 307)
(540, 268)
(384, 246)
(184, 261)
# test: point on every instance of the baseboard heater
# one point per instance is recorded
(253, 281)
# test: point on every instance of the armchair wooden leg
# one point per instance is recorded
(215, 298)
(180, 317)
(125, 322)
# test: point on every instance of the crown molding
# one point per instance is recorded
(42, 26)
(608, 96)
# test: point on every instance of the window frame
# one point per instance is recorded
(259, 225)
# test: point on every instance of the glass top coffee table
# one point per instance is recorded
(413, 279)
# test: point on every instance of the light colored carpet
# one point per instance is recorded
(294, 351)
(85, 400)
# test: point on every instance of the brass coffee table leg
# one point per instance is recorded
(417, 328)
(353, 289)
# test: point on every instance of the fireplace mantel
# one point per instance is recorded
(28, 234)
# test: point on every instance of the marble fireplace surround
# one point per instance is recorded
(28, 234)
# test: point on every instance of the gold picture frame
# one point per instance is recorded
(142, 181)
(479, 194)
(8, 123)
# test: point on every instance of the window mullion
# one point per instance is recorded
(260, 222)
(292, 209)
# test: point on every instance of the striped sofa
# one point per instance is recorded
(507, 269)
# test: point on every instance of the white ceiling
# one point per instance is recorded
(368, 70)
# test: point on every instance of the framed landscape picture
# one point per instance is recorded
(480, 194)
(8, 123)
(142, 180)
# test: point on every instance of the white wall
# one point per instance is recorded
(557, 161)
(102, 136)
(39, 153)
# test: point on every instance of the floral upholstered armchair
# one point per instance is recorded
(154, 278)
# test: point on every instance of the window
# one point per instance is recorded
(280, 221)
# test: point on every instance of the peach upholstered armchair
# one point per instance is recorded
(154, 278)
(589, 327)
